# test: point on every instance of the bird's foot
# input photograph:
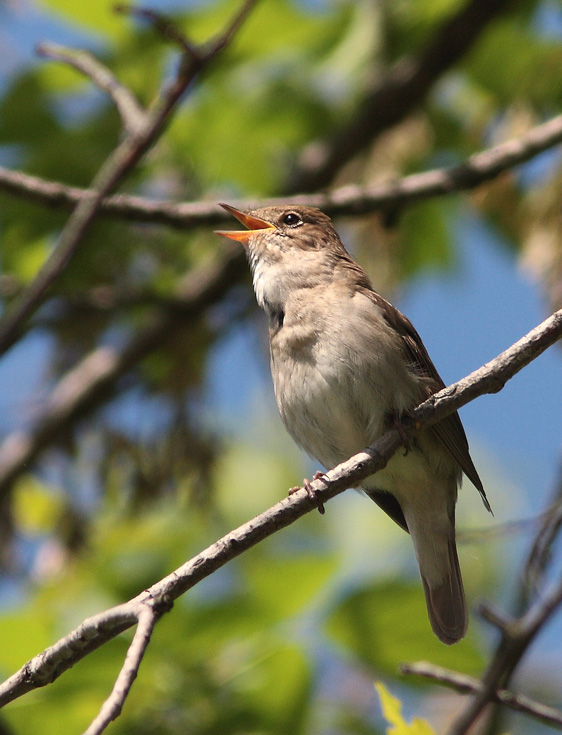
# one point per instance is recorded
(312, 493)
(398, 422)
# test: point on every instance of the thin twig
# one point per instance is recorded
(508, 528)
(111, 708)
(346, 200)
(164, 25)
(540, 552)
(50, 664)
(468, 685)
(132, 114)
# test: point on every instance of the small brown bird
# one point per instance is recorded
(346, 365)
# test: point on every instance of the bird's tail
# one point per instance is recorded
(438, 562)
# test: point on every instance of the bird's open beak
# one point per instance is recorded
(252, 223)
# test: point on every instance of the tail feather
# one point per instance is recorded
(432, 528)
(446, 602)
(433, 535)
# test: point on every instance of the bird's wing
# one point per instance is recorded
(449, 430)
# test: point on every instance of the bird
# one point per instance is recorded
(346, 366)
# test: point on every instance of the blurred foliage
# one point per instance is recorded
(286, 639)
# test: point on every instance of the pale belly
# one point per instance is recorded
(335, 410)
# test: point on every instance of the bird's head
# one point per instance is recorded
(288, 246)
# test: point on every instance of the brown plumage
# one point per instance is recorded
(345, 365)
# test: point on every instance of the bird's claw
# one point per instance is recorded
(312, 493)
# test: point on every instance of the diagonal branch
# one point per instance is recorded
(345, 200)
(119, 164)
(541, 550)
(468, 685)
(95, 631)
(111, 708)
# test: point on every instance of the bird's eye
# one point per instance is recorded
(291, 219)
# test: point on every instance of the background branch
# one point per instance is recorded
(97, 374)
(517, 636)
(111, 708)
(541, 550)
(345, 200)
(132, 114)
(464, 684)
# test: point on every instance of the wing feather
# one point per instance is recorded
(449, 431)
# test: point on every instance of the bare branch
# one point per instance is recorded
(48, 665)
(120, 162)
(517, 633)
(111, 708)
(492, 376)
(166, 27)
(346, 200)
(496, 618)
(507, 528)
(225, 38)
(540, 552)
(468, 685)
(87, 637)
(132, 114)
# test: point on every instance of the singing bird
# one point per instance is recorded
(346, 365)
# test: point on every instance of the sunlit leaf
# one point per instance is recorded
(392, 711)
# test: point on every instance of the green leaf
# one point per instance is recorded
(25, 633)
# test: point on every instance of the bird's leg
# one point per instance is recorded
(312, 493)
(398, 421)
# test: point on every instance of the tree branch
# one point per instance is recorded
(468, 685)
(119, 164)
(95, 631)
(132, 114)
(540, 552)
(345, 200)
(111, 708)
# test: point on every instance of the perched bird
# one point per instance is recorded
(346, 365)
